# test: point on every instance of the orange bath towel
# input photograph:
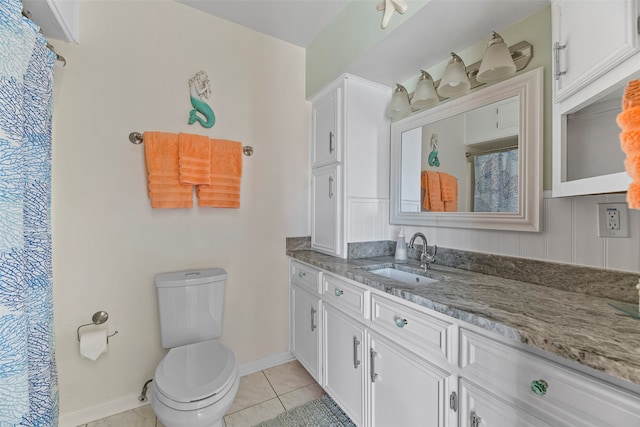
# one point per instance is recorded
(163, 180)
(194, 159)
(449, 191)
(629, 122)
(226, 172)
(435, 192)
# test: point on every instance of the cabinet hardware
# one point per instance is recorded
(475, 420)
(331, 136)
(539, 387)
(313, 318)
(453, 401)
(556, 56)
(330, 187)
(339, 292)
(356, 362)
(372, 359)
(302, 274)
(401, 323)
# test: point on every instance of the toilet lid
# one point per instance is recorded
(196, 371)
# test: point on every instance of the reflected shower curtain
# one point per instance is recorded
(28, 378)
(496, 182)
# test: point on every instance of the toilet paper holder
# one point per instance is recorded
(98, 318)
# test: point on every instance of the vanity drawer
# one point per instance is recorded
(347, 296)
(411, 328)
(562, 396)
(305, 276)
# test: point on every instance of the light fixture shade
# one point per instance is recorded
(399, 106)
(455, 80)
(496, 63)
(425, 94)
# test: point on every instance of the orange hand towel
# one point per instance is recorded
(194, 159)
(629, 122)
(424, 184)
(161, 158)
(449, 191)
(226, 172)
(435, 193)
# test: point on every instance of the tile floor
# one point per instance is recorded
(261, 396)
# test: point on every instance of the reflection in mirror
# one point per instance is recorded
(472, 162)
(464, 163)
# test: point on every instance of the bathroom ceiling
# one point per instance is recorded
(423, 40)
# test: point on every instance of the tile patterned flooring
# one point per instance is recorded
(261, 396)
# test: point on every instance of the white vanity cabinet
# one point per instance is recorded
(595, 53)
(349, 164)
(305, 308)
(492, 122)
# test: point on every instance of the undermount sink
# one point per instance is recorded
(403, 276)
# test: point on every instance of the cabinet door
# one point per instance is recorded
(325, 130)
(405, 390)
(344, 362)
(492, 122)
(480, 408)
(325, 187)
(590, 38)
(304, 330)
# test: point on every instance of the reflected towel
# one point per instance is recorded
(435, 192)
(194, 159)
(163, 178)
(449, 191)
(226, 172)
(424, 184)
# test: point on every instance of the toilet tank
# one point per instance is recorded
(191, 305)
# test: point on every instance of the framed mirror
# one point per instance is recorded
(472, 162)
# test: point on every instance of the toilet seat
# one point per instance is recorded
(195, 375)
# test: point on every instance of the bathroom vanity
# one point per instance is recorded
(466, 349)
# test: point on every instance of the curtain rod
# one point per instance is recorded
(138, 138)
(495, 150)
(59, 57)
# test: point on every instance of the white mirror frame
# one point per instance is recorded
(529, 86)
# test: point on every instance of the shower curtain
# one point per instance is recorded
(28, 377)
(496, 182)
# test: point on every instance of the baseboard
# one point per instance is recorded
(127, 403)
(267, 362)
(107, 409)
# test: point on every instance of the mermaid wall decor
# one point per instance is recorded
(200, 89)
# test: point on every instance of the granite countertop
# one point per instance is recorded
(573, 325)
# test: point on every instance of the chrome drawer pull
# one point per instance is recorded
(331, 136)
(356, 362)
(372, 358)
(313, 318)
(556, 55)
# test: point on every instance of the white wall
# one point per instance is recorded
(129, 73)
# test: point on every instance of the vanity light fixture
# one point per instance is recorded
(399, 106)
(497, 63)
(425, 94)
(455, 80)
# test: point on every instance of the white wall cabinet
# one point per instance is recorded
(349, 133)
(492, 122)
(596, 52)
(387, 361)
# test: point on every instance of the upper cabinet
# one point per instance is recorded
(58, 19)
(589, 39)
(349, 164)
(595, 55)
(492, 122)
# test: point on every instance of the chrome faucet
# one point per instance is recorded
(425, 257)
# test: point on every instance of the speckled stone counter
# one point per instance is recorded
(574, 325)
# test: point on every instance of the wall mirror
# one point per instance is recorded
(472, 162)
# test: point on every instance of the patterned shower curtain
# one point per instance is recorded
(28, 378)
(496, 182)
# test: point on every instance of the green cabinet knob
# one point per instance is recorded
(339, 292)
(401, 323)
(539, 387)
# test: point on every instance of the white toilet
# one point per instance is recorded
(196, 382)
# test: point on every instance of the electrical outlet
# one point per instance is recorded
(613, 220)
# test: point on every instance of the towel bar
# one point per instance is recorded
(138, 138)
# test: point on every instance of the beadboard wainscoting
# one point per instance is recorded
(569, 235)
(368, 219)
